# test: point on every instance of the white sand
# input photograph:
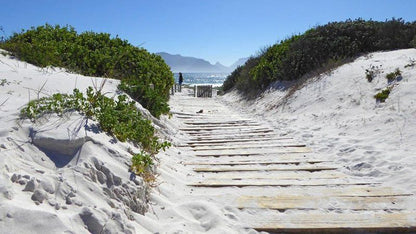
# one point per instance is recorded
(338, 116)
(60, 174)
(335, 115)
(80, 181)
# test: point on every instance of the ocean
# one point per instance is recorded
(214, 79)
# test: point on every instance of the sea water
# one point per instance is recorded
(214, 79)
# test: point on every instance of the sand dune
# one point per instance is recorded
(329, 152)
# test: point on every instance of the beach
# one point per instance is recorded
(328, 156)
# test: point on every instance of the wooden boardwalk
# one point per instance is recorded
(235, 156)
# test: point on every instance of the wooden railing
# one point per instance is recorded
(203, 90)
(199, 90)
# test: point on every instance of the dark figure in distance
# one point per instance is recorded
(180, 81)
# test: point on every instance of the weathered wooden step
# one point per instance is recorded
(233, 152)
(249, 154)
(198, 123)
(332, 222)
(244, 144)
(264, 158)
(228, 130)
(352, 190)
(234, 133)
(183, 114)
(231, 141)
(254, 146)
(223, 125)
(276, 175)
(279, 183)
(234, 136)
(206, 116)
(223, 128)
(321, 201)
(295, 162)
(310, 168)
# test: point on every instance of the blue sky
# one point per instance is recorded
(216, 30)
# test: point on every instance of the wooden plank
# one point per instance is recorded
(351, 190)
(331, 221)
(296, 162)
(310, 168)
(254, 146)
(212, 125)
(198, 123)
(263, 158)
(183, 113)
(234, 152)
(214, 141)
(239, 154)
(324, 202)
(221, 133)
(276, 175)
(279, 183)
(223, 128)
(226, 129)
(233, 136)
(242, 143)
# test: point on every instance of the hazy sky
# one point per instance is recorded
(216, 30)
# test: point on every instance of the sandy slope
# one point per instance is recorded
(338, 116)
(334, 115)
(61, 174)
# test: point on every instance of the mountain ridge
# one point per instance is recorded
(180, 63)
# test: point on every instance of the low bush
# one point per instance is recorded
(97, 54)
(382, 95)
(118, 118)
(390, 77)
(393, 75)
(300, 55)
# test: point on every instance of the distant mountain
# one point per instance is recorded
(179, 63)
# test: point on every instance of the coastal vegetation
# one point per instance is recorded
(143, 75)
(119, 118)
(383, 94)
(318, 50)
(393, 75)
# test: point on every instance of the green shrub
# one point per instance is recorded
(382, 95)
(141, 163)
(301, 55)
(393, 75)
(119, 118)
(390, 77)
(97, 54)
